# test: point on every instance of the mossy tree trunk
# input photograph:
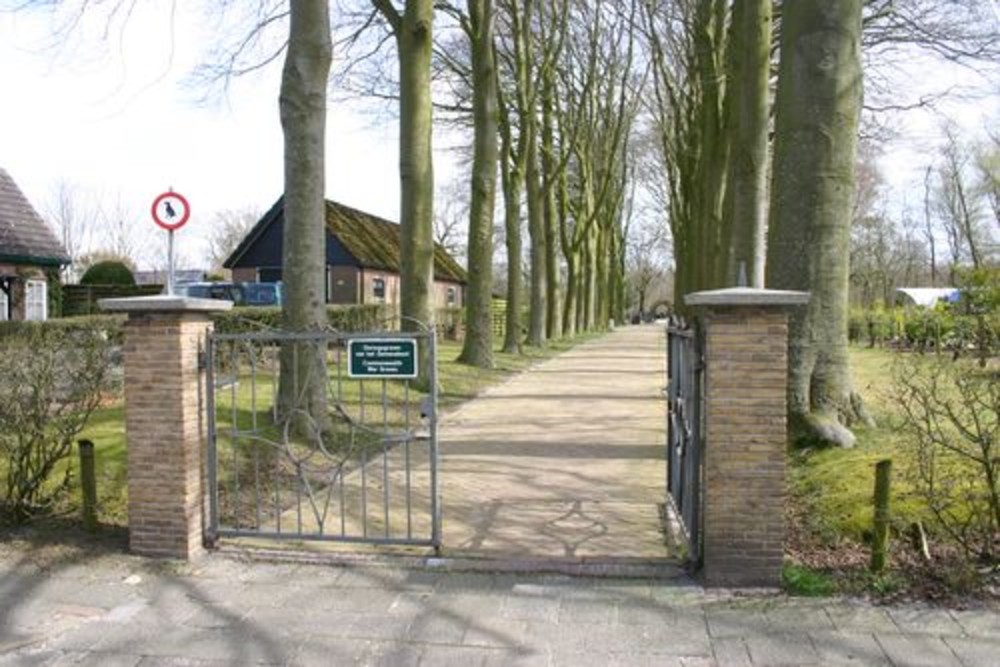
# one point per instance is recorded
(477, 350)
(550, 176)
(536, 233)
(749, 68)
(302, 104)
(413, 29)
(818, 106)
(512, 180)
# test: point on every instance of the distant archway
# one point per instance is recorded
(662, 308)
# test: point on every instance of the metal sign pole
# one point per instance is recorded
(170, 262)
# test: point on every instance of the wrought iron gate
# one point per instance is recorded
(685, 366)
(323, 436)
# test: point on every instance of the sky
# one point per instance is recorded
(119, 118)
(116, 117)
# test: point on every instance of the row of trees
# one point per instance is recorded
(556, 92)
(566, 101)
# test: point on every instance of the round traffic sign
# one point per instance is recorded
(171, 210)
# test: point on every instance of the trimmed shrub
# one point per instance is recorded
(108, 272)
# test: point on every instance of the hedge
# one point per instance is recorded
(112, 326)
(237, 320)
(341, 318)
(83, 299)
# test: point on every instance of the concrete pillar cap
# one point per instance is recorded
(164, 303)
(747, 296)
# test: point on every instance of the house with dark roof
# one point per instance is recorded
(362, 258)
(29, 253)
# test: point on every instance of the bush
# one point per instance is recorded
(950, 415)
(108, 272)
(51, 379)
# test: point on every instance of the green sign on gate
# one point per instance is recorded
(386, 358)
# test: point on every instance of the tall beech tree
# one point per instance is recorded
(744, 209)
(302, 102)
(818, 106)
(413, 30)
(477, 349)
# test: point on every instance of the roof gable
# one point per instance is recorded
(24, 236)
(374, 242)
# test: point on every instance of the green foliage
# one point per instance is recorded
(972, 324)
(51, 380)
(340, 318)
(805, 582)
(108, 272)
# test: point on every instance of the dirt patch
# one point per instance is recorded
(946, 579)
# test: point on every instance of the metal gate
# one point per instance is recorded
(685, 366)
(323, 436)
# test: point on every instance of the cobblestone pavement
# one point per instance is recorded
(122, 610)
(565, 460)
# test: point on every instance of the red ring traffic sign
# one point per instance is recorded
(165, 213)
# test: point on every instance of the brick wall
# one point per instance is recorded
(163, 421)
(745, 415)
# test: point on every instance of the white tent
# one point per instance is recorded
(926, 296)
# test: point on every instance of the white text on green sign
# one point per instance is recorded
(386, 358)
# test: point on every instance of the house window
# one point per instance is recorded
(378, 288)
(451, 296)
(35, 300)
(4, 306)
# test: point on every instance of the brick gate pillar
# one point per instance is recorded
(745, 403)
(164, 421)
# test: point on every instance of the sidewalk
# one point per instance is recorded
(565, 460)
(120, 610)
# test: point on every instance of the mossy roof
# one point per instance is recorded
(24, 236)
(373, 241)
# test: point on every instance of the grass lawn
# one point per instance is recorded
(831, 513)
(457, 383)
(837, 484)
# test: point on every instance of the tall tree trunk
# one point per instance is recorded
(477, 349)
(553, 319)
(536, 233)
(416, 162)
(750, 68)
(817, 110)
(302, 104)
(413, 30)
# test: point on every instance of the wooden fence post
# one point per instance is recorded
(880, 538)
(88, 485)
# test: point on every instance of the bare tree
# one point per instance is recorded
(227, 229)
(961, 206)
(76, 219)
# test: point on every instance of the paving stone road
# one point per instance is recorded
(121, 610)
